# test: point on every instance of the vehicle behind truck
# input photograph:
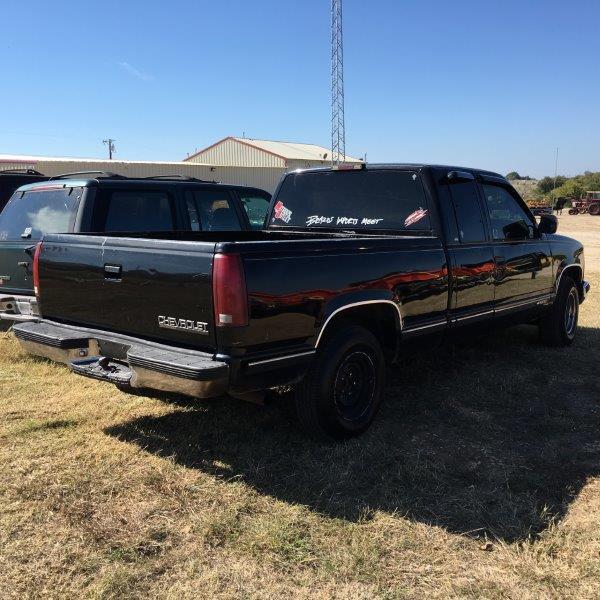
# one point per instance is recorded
(99, 202)
(352, 267)
(11, 179)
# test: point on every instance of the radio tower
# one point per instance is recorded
(338, 130)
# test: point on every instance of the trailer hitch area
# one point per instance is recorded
(104, 363)
(103, 368)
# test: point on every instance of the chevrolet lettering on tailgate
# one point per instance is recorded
(183, 324)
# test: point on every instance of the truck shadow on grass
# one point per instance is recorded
(491, 438)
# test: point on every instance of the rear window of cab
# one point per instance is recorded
(358, 199)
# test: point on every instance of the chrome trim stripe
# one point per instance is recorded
(278, 358)
(439, 323)
(428, 326)
(481, 314)
(346, 306)
(536, 300)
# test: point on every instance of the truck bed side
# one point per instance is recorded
(295, 287)
(160, 289)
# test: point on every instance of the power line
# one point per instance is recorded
(111, 147)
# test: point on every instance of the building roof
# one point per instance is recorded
(285, 150)
(27, 159)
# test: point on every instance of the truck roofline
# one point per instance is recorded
(403, 166)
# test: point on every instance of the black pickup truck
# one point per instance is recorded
(353, 264)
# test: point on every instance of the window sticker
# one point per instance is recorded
(281, 212)
(323, 220)
(319, 220)
(346, 221)
(415, 216)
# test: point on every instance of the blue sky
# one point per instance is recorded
(494, 84)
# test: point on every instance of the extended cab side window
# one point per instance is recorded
(468, 212)
(133, 210)
(211, 210)
(509, 220)
(256, 208)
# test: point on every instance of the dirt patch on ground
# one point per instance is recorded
(586, 229)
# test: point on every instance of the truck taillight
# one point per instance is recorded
(229, 291)
(36, 268)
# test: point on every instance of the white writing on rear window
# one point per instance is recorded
(323, 220)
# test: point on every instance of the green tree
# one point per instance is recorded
(547, 184)
(574, 187)
(513, 175)
(570, 189)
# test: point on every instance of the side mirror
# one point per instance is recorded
(548, 224)
(518, 230)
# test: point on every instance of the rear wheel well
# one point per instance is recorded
(380, 319)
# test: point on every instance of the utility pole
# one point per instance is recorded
(555, 169)
(338, 128)
(111, 146)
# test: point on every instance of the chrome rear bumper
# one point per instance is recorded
(126, 361)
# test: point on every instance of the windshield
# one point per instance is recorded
(365, 199)
(29, 215)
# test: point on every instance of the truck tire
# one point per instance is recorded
(559, 326)
(594, 209)
(341, 393)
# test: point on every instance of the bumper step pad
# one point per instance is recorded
(176, 363)
(51, 335)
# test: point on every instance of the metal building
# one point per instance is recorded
(264, 178)
(269, 157)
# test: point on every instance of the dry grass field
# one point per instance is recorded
(480, 478)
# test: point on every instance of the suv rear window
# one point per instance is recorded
(31, 214)
(365, 199)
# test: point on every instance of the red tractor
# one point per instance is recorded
(589, 203)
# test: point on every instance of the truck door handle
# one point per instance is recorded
(113, 272)
(25, 265)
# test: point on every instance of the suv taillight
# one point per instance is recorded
(229, 291)
(36, 268)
